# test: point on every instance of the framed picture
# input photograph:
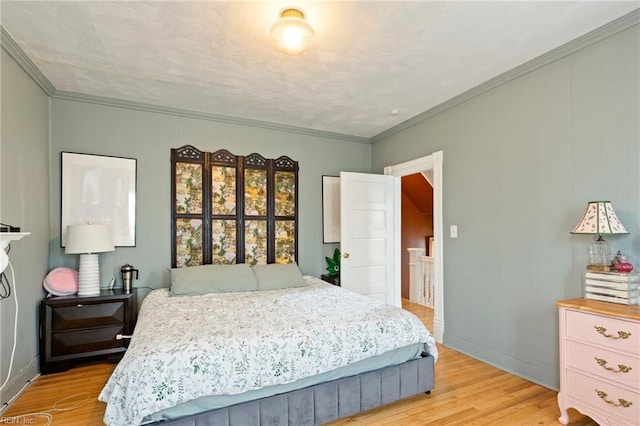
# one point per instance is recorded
(99, 189)
(330, 209)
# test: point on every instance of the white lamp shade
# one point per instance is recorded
(95, 238)
(599, 219)
(87, 240)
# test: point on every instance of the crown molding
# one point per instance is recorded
(624, 22)
(141, 106)
(607, 30)
(16, 52)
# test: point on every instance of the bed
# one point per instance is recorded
(284, 354)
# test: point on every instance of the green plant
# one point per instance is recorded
(333, 264)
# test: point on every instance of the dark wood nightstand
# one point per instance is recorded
(76, 328)
(331, 280)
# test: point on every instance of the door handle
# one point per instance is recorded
(345, 255)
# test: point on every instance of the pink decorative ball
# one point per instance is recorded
(61, 281)
(623, 266)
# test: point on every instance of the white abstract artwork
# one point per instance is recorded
(99, 189)
(330, 209)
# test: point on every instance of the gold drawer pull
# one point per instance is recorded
(621, 334)
(621, 402)
(621, 368)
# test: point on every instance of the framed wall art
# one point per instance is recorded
(330, 209)
(99, 189)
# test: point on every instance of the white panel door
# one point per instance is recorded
(370, 224)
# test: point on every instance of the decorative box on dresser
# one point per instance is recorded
(600, 361)
(76, 328)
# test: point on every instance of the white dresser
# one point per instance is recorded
(600, 361)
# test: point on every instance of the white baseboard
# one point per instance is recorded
(16, 386)
(438, 330)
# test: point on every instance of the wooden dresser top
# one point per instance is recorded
(606, 308)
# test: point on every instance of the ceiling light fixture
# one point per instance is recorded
(292, 33)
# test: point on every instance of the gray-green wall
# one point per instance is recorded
(149, 136)
(24, 202)
(521, 161)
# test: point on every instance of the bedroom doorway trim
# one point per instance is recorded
(429, 164)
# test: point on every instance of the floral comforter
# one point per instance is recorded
(187, 347)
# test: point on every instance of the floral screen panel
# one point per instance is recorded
(285, 241)
(189, 242)
(223, 190)
(223, 244)
(255, 241)
(255, 192)
(188, 188)
(229, 208)
(285, 196)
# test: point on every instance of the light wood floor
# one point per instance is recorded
(467, 392)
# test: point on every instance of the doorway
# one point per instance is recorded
(416, 226)
(431, 166)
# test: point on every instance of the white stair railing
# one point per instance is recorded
(415, 274)
(427, 280)
(420, 277)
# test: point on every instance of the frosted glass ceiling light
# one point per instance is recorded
(292, 33)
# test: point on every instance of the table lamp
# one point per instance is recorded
(600, 219)
(88, 241)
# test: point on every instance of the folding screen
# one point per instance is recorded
(233, 209)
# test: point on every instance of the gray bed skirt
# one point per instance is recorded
(324, 402)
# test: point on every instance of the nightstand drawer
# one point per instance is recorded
(81, 315)
(606, 398)
(609, 365)
(610, 332)
(97, 339)
(80, 328)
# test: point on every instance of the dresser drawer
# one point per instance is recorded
(613, 333)
(609, 365)
(77, 342)
(604, 397)
(79, 315)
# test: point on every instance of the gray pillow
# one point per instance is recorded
(212, 279)
(278, 275)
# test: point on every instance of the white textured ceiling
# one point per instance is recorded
(368, 59)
